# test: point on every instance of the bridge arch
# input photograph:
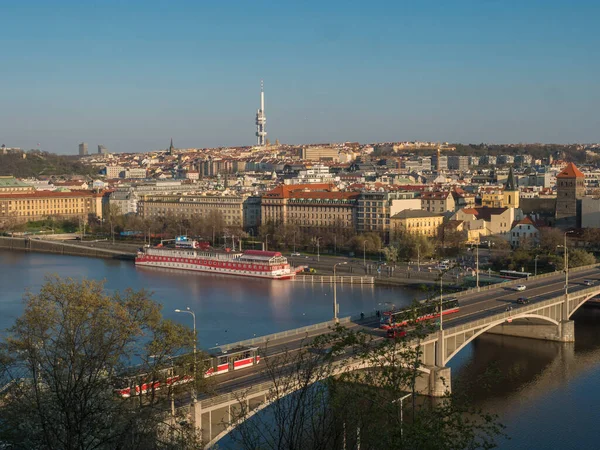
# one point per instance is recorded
(269, 401)
(582, 302)
(495, 324)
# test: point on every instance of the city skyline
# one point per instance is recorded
(130, 76)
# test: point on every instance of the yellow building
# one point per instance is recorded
(416, 221)
(31, 206)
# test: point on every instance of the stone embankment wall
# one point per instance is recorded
(61, 248)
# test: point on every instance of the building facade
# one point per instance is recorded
(195, 205)
(309, 205)
(83, 149)
(375, 209)
(437, 202)
(32, 206)
(415, 221)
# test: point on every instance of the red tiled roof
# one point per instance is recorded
(50, 194)
(571, 171)
(284, 190)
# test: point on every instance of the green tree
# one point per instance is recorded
(578, 257)
(391, 254)
(61, 358)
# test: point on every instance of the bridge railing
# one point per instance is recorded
(284, 334)
(520, 281)
(520, 310)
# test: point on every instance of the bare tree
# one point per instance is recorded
(60, 362)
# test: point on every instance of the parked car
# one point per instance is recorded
(523, 301)
(588, 282)
(520, 287)
(296, 254)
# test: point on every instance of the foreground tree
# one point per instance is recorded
(60, 360)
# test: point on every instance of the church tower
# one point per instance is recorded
(511, 191)
(570, 189)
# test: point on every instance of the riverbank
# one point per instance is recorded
(63, 248)
(127, 252)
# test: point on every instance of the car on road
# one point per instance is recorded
(523, 301)
(520, 287)
(588, 282)
(295, 254)
(445, 261)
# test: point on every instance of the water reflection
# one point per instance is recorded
(545, 392)
(227, 308)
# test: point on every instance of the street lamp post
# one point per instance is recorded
(441, 299)
(365, 253)
(172, 398)
(335, 306)
(318, 250)
(566, 262)
(401, 400)
(535, 261)
(189, 311)
(294, 242)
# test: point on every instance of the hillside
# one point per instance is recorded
(39, 163)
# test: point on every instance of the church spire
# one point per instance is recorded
(510, 181)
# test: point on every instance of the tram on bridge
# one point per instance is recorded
(181, 371)
(400, 318)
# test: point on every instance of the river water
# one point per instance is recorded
(547, 394)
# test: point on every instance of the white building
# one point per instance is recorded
(524, 232)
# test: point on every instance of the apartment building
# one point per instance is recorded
(415, 221)
(438, 202)
(310, 205)
(39, 205)
(320, 153)
(456, 162)
(374, 210)
(231, 207)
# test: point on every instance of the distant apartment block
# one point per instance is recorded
(83, 149)
(439, 162)
(487, 160)
(319, 153)
(137, 172)
(102, 150)
(460, 163)
(113, 171)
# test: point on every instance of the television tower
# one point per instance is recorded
(261, 120)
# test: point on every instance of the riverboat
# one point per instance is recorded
(199, 257)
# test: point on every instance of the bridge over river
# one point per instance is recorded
(546, 317)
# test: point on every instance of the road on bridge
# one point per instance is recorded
(473, 306)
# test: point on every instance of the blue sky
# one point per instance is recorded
(131, 75)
